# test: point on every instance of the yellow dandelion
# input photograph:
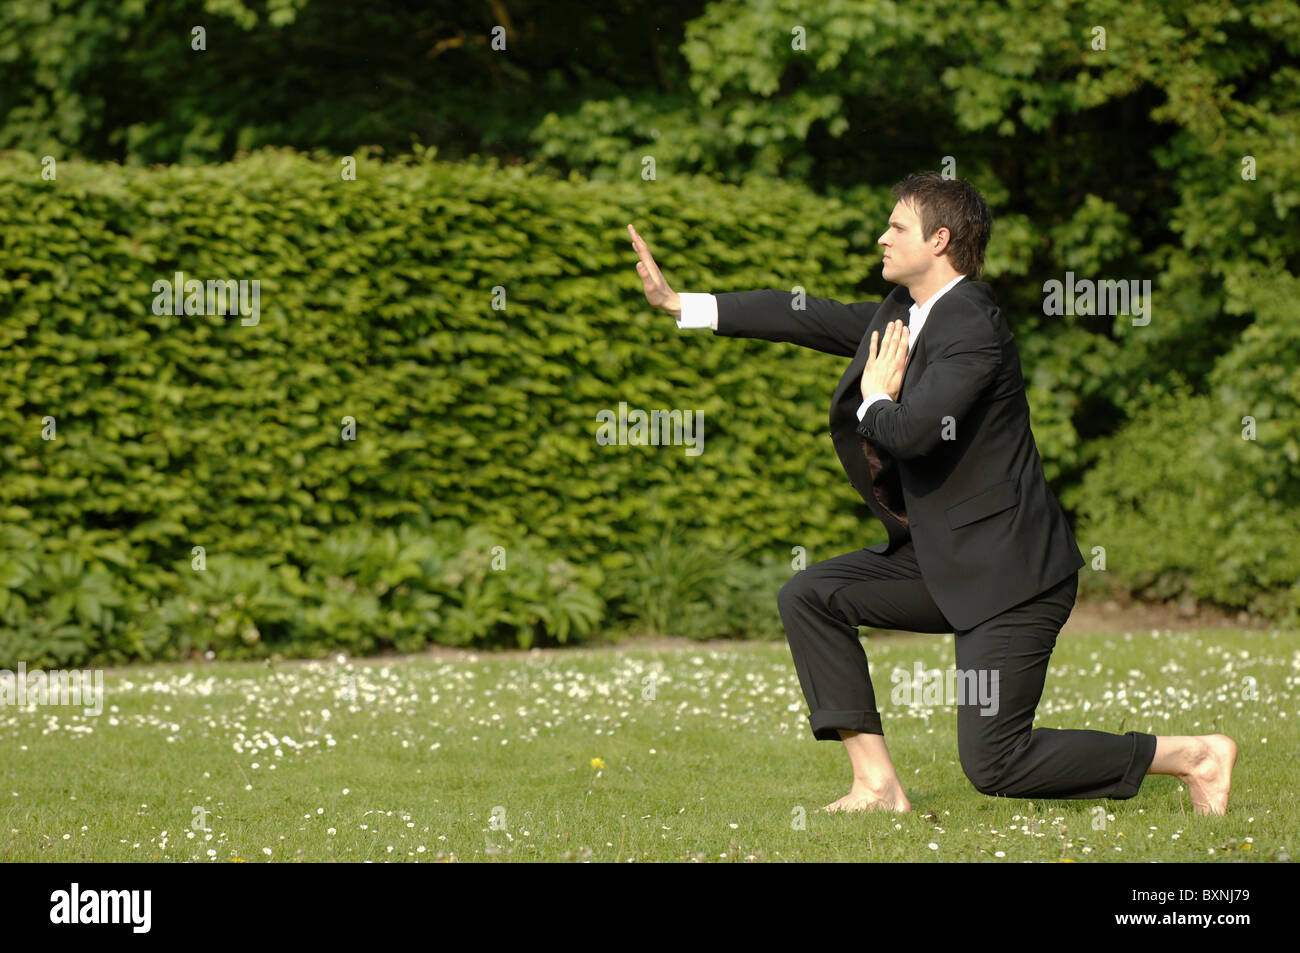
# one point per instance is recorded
(597, 763)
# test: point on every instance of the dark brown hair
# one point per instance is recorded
(955, 205)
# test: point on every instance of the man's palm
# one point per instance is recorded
(657, 291)
(884, 371)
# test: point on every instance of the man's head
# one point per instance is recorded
(940, 227)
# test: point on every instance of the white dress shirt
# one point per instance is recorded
(700, 310)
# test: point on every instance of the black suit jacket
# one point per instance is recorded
(987, 529)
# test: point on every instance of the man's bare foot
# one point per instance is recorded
(1209, 773)
(864, 797)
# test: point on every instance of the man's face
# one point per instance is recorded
(907, 256)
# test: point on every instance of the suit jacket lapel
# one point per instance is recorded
(915, 362)
(895, 307)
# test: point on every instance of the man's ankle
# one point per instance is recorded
(875, 782)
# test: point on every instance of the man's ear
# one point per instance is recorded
(941, 238)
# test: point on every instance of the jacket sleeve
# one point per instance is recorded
(822, 324)
(969, 354)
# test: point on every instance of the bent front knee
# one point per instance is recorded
(794, 591)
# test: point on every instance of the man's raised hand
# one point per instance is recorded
(657, 291)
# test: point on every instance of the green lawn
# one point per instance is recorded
(719, 765)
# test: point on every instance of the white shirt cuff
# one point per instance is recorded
(699, 310)
(871, 399)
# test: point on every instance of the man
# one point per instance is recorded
(931, 424)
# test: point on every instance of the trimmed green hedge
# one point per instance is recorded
(376, 305)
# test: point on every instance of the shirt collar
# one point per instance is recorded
(920, 314)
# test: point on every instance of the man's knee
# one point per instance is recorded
(797, 589)
(981, 769)
(985, 779)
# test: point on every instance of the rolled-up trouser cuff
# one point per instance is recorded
(1144, 752)
(826, 723)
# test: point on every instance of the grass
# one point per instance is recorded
(622, 754)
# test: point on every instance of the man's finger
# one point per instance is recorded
(637, 241)
(642, 249)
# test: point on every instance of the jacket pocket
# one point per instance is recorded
(995, 499)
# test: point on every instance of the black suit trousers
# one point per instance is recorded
(1001, 753)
